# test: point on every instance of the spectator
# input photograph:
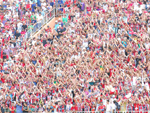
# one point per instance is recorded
(24, 26)
(39, 17)
(31, 26)
(6, 110)
(19, 107)
(51, 3)
(34, 20)
(97, 60)
(17, 34)
(33, 7)
(3, 108)
(12, 108)
(25, 108)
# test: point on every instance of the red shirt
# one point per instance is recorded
(23, 32)
(1, 65)
(74, 108)
(13, 109)
(47, 45)
(48, 30)
(103, 85)
(27, 6)
(68, 3)
(7, 27)
(110, 70)
(136, 107)
(8, 102)
(75, 1)
(88, 8)
(101, 108)
(1, 17)
(3, 80)
(130, 5)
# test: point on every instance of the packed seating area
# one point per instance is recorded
(95, 59)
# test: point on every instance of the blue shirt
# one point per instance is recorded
(60, 2)
(18, 109)
(124, 43)
(4, 21)
(43, 13)
(129, 34)
(34, 62)
(56, 26)
(115, 29)
(39, 3)
(33, 21)
(32, 7)
(52, 4)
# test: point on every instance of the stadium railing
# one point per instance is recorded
(48, 16)
(37, 26)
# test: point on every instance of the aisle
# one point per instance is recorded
(51, 24)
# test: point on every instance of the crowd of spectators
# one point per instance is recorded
(19, 16)
(97, 57)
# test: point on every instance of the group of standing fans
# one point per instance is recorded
(96, 58)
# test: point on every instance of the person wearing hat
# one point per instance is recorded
(56, 25)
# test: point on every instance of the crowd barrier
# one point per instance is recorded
(57, 11)
(37, 26)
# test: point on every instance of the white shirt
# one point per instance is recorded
(72, 24)
(104, 102)
(148, 29)
(135, 6)
(19, 26)
(85, 44)
(134, 80)
(68, 107)
(15, 15)
(105, 7)
(108, 108)
(147, 86)
(2, 25)
(77, 15)
(39, 17)
(113, 106)
(138, 8)
(8, 15)
(72, 30)
(147, 45)
(112, 9)
(33, 42)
